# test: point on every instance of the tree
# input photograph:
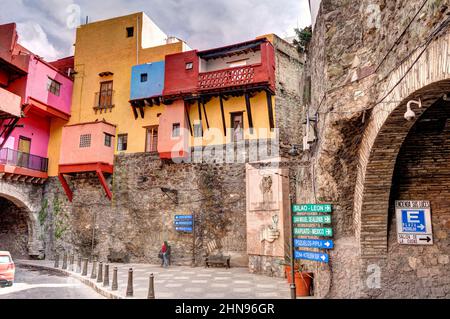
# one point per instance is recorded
(303, 37)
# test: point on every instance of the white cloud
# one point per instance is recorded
(202, 23)
(33, 37)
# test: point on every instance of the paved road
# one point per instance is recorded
(41, 284)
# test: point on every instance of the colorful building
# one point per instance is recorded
(36, 97)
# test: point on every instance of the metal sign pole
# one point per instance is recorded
(193, 239)
(293, 288)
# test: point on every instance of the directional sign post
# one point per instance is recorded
(414, 222)
(315, 219)
(311, 208)
(310, 255)
(325, 232)
(314, 243)
(184, 223)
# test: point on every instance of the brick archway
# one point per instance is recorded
(387, 129)
(29, 199)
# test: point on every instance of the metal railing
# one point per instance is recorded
(104, 100)
(227, 77)
(25, 160)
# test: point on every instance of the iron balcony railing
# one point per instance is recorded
(25, 160)
(104, 100)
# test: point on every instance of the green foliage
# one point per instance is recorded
(43, 213)
(60, 219)
(303, 38)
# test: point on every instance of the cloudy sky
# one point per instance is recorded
(47, 27)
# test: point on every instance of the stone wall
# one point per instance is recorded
(13, 229)
(356, 47)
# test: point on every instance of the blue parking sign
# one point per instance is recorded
(413, 221)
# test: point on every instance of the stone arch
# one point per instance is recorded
(29, 199)
(428, 80)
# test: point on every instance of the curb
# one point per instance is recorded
(86, 281)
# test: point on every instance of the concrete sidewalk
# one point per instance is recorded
(180, 282)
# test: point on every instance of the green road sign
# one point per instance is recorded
(326, 232)
(316, 219)
(311, 208)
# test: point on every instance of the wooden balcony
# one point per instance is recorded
(233, 77)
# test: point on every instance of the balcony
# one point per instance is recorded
(227, 78)
(104, 101)
(20, 166)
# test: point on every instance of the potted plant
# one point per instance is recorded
(303, 278)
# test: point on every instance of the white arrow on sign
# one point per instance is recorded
(327, 244)
(323, 257)
(421, 227)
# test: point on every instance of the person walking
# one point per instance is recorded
(165, 254)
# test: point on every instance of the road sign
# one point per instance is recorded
(414, 222)
(184, 229)
(314, 243)
(311, 208)
(183, 223)
(310, 255)
(316, 219)
(183, 216)
(326, 232)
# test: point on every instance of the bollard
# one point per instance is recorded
(151, 287)
(64, 265)
(85, 266)
(100, 272)
(106, 280)
(79, 264)
(130, 283)
(94, 268)
(114, 281)
(57, 261)
(71, 261)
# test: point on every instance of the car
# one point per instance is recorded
(7, 269)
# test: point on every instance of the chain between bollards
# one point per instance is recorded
(85, 266)
(100, 272)
(130, 283)
(151, 287)
(106, 279)
(56, 261)
(114, 282)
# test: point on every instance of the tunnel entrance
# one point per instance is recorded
(14, 229)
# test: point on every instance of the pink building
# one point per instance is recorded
(45, 91)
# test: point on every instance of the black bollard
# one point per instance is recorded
(85, 266)
(94, 268)
(130, 283)
(151, 287)
(79, 264)
(100, 272)
(57, 261)
(114, 282)
(64, 265)
(106, 279)
(71, 261)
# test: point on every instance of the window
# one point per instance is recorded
(53, 86)
(234, 64)
(176, 130)
(105, 98)
(108, 140)
(144, 77)
(151, 140)
(198, 129)
(189, 66)
(122, 142)
(237, 124)
(130, 32)
(4, 260)
(85, 140)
